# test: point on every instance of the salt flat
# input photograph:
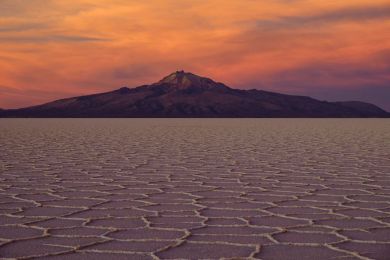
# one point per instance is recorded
(195, 188)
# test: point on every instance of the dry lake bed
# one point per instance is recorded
(195, 188)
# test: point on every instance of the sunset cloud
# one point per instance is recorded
(351, 14)
(51, 49)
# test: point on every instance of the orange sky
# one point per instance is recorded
(334, 50)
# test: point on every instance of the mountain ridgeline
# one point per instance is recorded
(183, 94)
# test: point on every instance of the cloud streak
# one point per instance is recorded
(21, 27)
(352, 14)
(50, 38)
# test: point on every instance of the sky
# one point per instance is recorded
(330, 50)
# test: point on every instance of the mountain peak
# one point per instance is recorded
(181, 77)
(184, 94)
(186, 80)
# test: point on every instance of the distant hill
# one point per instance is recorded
(183, 94)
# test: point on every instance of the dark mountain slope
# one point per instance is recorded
(184, 94)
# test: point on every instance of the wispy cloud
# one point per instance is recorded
(50, 38)
(21, 27)
(350, 14)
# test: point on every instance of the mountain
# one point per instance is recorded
(183, 94)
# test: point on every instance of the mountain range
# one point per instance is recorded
(183, 94)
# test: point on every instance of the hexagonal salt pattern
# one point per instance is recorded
(195, 188)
